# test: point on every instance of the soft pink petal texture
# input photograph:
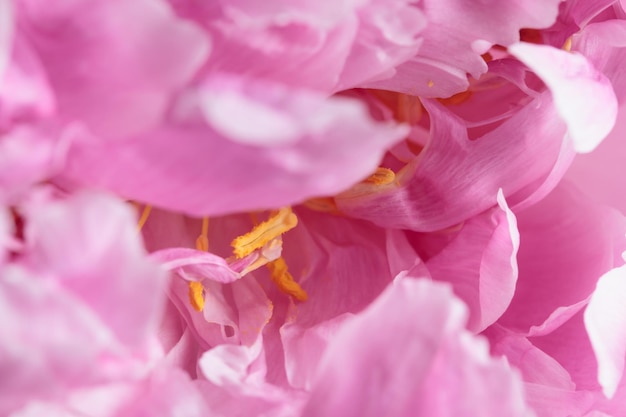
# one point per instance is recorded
(50, 341)
(583, 96)
(91, 244)
(6, 34)
(165, 393)
(310, 146)
(536, 367)
(325, 46)
(566, 243)
(604, 45)
(27, 155)
(192, 263)
(455, 178)
(458, 32)
(557, 402)
(112, 64)
(343, 265)
(600, 174)
(407, 354)
(481, 265)
(25, 94)
(571, 347)
(604, 321)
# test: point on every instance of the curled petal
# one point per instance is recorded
(583, 96)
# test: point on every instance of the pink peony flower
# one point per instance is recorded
(284, 208)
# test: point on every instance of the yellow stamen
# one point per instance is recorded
(144, 217)
(567, 46)
(323, 204)
(431, 83)
(196, 295)
(276, 225)
(382, 176)
(202, 242)
(284, 280)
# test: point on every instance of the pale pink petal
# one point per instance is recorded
(113, 64)
(50, 341)
(536, 367)
(566, 243)
(455, 178)
(195, 264)
(25, 94)
(600, 173)
(6, 34)
(166, 393)
(557, 402)
(481, 265)
(28, 155)
(570, 346)
(309, 146)
(582, 95)
(407, 354)
(91, 244)
(326, 46)
(458, 32)
(604, 45)
(604, 321)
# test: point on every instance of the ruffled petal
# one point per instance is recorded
(566, 243)
(288, 146)
(481, 265)
(604, 321)
(455, 178)
(113, 64)
(583, 96)
(91, 244)
(458, 32)
(383, 363)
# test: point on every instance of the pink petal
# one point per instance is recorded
(50, 341)
(196, 264)
(458, 32)
(310, 147)
(604, 321)
(428, 195)
(90, 243)
(582, 95)
(600, 173)
(408, 355)
(566, 243)
(481, 265)
(604, 45)
(154, 52)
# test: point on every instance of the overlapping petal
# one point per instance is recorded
(444, 371)
(583, 96)
(455, 178)
(287, 146)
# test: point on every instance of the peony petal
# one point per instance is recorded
(481, 265)
(329, 145)
(567, 243)
(408, 355)
(154, 54)
(583, 96)
(91, 244)
(458, 32)
(600, 173)
(455, 178)
(604, 321)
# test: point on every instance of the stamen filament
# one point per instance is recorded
(276, 225)
(284, 280)
(202, 242)
(144, 217)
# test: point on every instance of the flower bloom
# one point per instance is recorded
(346, 208)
